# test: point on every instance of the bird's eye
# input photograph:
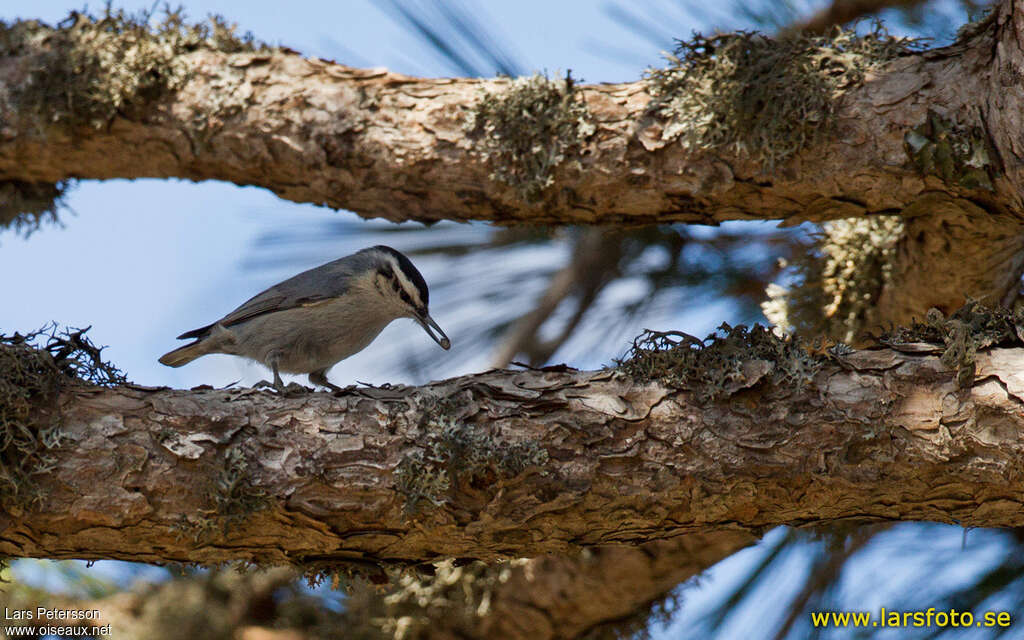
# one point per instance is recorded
(405, 297)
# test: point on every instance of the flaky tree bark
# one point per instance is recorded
(393, 146)
(532, 462)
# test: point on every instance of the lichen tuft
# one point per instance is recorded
(34, 369)
(463, 594)
(26, 206)
(90, 68)
(454, 451)
(421, 476)
(236, 497)
(969, 329)
(528, 128)
(768, 98)
(732, 359)
(837, 283)
(956, 153)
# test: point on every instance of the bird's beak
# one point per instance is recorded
(427, 323)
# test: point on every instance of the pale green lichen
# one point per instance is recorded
(455, 451)
(419, 477)
(461, 594)
(34, 369)
(751, 94)
(527, 128)
(838, 282)
(719, 365)
(235, 496)
(956, 153)
(196, 528)
(26, 206)
(473, 451)
(90, 68)
(969, 329)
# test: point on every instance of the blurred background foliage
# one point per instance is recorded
(578, 295)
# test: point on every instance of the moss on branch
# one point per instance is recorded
(528, 128)
(26, 206)
(752, 94)
(88, 69)
(724, 363)
(34, 369)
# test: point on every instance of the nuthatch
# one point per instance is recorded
(312, 321)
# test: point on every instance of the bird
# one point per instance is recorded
(313, 320)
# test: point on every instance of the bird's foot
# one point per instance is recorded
(290, 389)
(320, 378)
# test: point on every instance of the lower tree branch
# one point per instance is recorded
(510, 464)
(553, 596)
(549, 597)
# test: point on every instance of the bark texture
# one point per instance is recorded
(510, 464)
(387, 145)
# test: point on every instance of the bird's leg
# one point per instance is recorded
(278, 383)
(320, 378)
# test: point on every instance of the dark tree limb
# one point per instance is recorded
(840, 12)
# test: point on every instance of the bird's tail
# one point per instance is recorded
(184, 355)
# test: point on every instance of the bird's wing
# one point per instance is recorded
(307, 288)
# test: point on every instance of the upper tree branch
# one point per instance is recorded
(521, 463)
(383, 144)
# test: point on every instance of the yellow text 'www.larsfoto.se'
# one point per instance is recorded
(928, 618)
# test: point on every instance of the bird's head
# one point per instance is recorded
(404, 289)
